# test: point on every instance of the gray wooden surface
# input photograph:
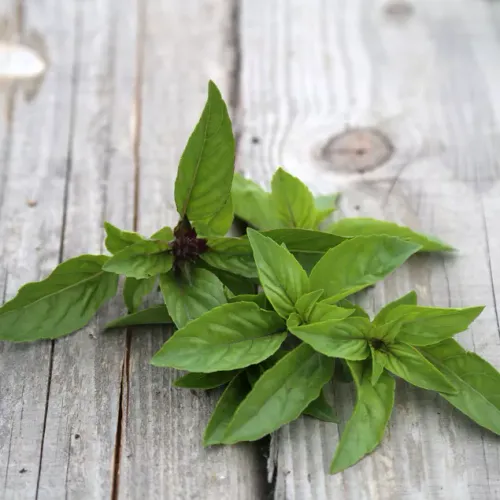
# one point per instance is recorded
(395, 103)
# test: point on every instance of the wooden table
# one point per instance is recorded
(395, 103)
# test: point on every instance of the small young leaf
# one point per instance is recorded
(231, 398)
(205, 172)
(410, 299)
(164, 234)
(325, 312)
(280, 395)
(229, 337)
(477, 382)
(252, 204)
(338, 339)
(61, 303)
(283, 279)
(358, 311)
(141, 260)
(379, 360)
(117, 240)
(205, 380)
(292, 201)
(306, 304)
(135, 290)
(188, 298)
(407, 363)
(325, 206)
(260, 299)
(423, 326)
(320, 408)
(375, 257)
(365, 429)
(359, 226)
(156, 315)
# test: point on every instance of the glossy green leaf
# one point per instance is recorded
(358, 263)
(292, 201)
(156, 315)
(283, 279)
(407, 363)
(231, 398)
(280, 395)
(429, 325)
(477, 382)
(232, 255)
(205, 380)
(306, 304)
(325, 312)
(259, 298)
(117, 239)
(219, 223)
(338, 339)
(206, 167)
(61, 303)
(365, 429)
(410, 299)
(321, 409)
(228, 337)
(140, 260)
(360, 226)
(135, 290)
(188, 298)
(252, 204)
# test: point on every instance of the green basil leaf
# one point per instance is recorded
(365, 429)
(407, 363)
(259, 298)
(135, 290)
(325, 312)
(205, 380)
(375, 257)
(252, 204)
(283, 279)
(357, 310)
(235, 284)
(338, 339)
(325, 206)
(231, 398)
(140, 260)
(477, 382)
(280, 395)
(304, 241)
(187, 298)
(228, 337)
(206, 167)
(232, 255)
(360, 226)
(117, 240)
(61, 303)
(292, 201)
(306, 304)
(219, 223)
(321, 409)
(410, 299)
(379, 360)
(165, 234)
(423, 326)
(156, 315)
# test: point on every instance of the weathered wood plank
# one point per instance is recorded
(423, 74)
(83, 405)
(32, 177)
(185, 45)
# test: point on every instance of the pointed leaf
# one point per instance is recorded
(117, 240)
(231, 398)
(321, 409)
(228, 337)
(477, 382)
(165, 234)
(219, 223)
(410, 299)
(338, 339)
(365, 429)
(306, 304)
(283, 279)
(422, 326)
(379, 360)
(141, 260)
(325, 312)
(206, 167)
(61, 303)
(205, 380)
(135, 290)
(407, 363)
(258, 298)
(374, 258)
(280, 395)
(156, 315)
(357, 310)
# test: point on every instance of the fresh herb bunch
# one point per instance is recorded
(275, 349)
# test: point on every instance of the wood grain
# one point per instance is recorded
(422, 75)
(184, 45)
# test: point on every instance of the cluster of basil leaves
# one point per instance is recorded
(277, 349)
